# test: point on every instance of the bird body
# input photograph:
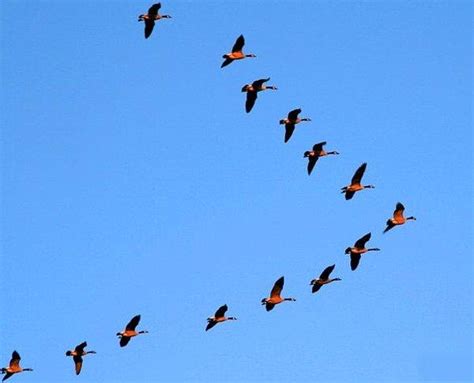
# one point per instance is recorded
(252, 90)
(291, 121)
(218, 317)
(398, 218)
(77, 355)
(236, 53)
(13, 367)
(130, 331)
(314, 154)
(323, 279)
(150, 18)
(275, 297)
(358, 249)
(356, 185)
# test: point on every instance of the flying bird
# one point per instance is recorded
(359, 249)
(323, 279)
(218, 317)
(355, 185)
(252, 90)
(398, 218)
(14, 367)
(77, 355)
(291, 121)
(130, 331)
(236, 53)
(275, 297)
(150, 18)
(313, 155)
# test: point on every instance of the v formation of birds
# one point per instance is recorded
(355, 252)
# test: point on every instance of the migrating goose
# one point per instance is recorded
(323, 279)
(252, 90)
(291, 121)
(14, 366)
(150, 18)
(236, 53)
(359, 249)
(398, 218)
(355, 185)
(275, 297)
(77, 355)
(313, 155)
(129, 331)
(218, 317)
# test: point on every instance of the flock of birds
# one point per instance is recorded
(355, 252)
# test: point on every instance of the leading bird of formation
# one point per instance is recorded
(355, 252)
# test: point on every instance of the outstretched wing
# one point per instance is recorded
(226, 62)
(289, 129)
(149, 25)
(124, 341)
(277, 287)
(133, 323)
(250, 102)
(311, 162)
(269, 306)
(358, 174)
(80, 348)
(360, 243)
(398, 213)
(8, 375)
(257, 84)
(153, 11)
(15, 360)
(239, 44)
(328, 270)
(293, 115)
(349, 195)
(390, 225)
(220, 311)
(78, 363)
(319, 146)
(355, 259)
(316, 288)
(210, 325)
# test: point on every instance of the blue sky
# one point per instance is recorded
(134, 182)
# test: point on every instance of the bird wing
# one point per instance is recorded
(289, 129)
(319, 146)
(360, 243)
(250, 102)
(277, 287)
(293, 115)
(226, 62)
(211, 324)
(133, 323)
(257, 84)
(153, 11)
(220, 311)
(269, 306)
(149, 25)
(8, 375)
(398, 213)
(390, 225)
(355, 259)
(15, 360)
(78, 363)
(316, 287)
(328, 270)
(80, 348)
(349, 195)
(311, 162)
(124, 341)
(358, 174)
(239, 44)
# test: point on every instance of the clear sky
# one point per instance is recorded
(133, 182)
